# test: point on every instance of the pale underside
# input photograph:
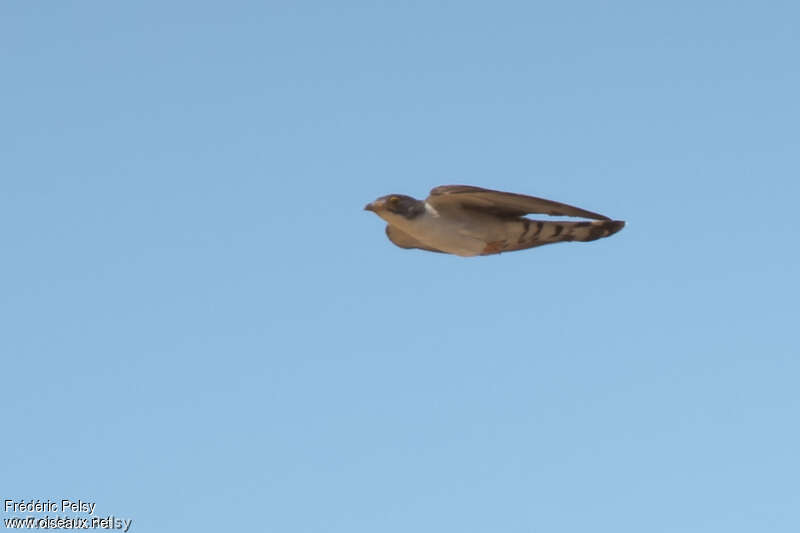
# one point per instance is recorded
(452, 231)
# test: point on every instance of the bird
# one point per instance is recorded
(471, 221)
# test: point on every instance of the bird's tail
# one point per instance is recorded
(539, 232)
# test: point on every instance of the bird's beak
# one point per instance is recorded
(370, 207)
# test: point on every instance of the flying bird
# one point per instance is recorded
(470, 221)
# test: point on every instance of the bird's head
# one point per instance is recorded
(396, 205)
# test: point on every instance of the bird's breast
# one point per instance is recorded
(452, 232)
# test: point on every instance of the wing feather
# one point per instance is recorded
(504, 204)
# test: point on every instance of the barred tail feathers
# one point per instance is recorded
(533, 233)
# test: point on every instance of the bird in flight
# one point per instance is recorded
(470, 221)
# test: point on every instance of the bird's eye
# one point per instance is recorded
(393, 199)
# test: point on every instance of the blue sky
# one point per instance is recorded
(203, 331)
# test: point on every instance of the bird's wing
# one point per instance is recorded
(404, 240)
(504, 204)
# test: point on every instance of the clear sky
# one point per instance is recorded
(202, 330)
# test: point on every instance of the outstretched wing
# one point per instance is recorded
(503, 204)
(404, 240)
